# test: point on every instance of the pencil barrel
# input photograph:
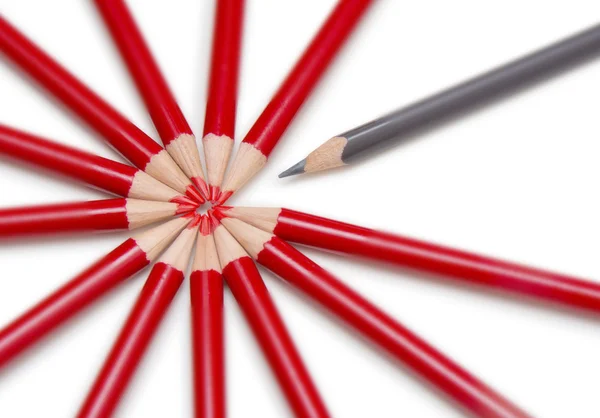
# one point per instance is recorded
(438, 260)
(225, 62)
(206, 292)
(130, 346)
(472, 93)
(427, 362)
(121, 263)
(253, 297)
(123, 135)
(100, 215)
(161, 104)
(299, 83)
(96, 171)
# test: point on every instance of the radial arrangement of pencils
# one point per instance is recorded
(178, 210)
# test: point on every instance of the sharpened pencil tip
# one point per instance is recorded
(294, 170)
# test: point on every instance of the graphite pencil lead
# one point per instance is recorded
(294, 170)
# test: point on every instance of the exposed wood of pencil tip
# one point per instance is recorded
(155, 240)
(228, 248)
(162, 167)
(146, 187)
(262, 218)
(206, 257)
(145, 212)
(248, 161)
(217, 150)
(326, 156)
(184, 151)
(178, 253)
(251, 238)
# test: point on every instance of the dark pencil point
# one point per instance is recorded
(297, 168)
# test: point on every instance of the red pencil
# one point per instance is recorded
(252, 295)
(102, 173)
(168, 119)
(141, 325)
(419, 255)
(206, 293)
(276, 117)
(124, 261)
(95, 215)
(400, 342)
(219, 119)
(123, 135)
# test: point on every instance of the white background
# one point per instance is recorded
(518, 180)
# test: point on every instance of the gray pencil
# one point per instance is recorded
(349, 146)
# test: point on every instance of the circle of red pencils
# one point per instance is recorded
(168, 185)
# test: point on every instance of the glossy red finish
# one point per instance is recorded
(102, 173)
(274, 120)
(252, 295)
(213, 193)
(384, 331)
(206, 293)
(201, 185)
(194, 194)
(223, 196)
(185, 208)
(121, 263)
(164, 110)
(225, 63)
(123, 135)
(97, 215)
(443, 261)
(130, 346)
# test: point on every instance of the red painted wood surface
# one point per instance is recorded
(121, 263)
(206, 293)
(380, 328)
(102, 173)
(225, 63)
(123, 135)
(252, 295)
(443, 261)
(97, 215)
(161, 104)
(130, 346)
(274, 120)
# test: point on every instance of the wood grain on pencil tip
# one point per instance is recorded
(252, 295)
(400, 342)
(121, 263)
(293, 92)
(168, 118)
(96, 215)
(150, 307)
(358, 142)
(219, 119)
(119, 132)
